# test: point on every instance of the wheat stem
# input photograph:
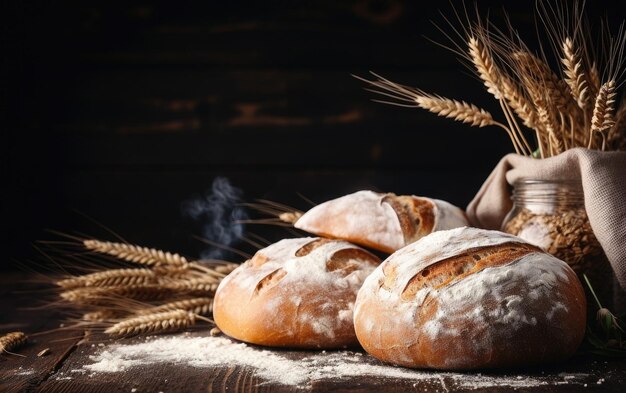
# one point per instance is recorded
(517, 131)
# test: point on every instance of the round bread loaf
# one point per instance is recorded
(296, 293)
(385, 222)
(468, 298)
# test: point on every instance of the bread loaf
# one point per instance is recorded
(296, 293)
(468, 298)
(385, 222)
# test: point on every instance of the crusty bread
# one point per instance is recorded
(468, 298)
(384, 222)
(295, 293)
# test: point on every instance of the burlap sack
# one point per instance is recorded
(603, 177)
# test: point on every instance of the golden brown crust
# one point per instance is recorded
(416, 215)
(307, 248)
(298, 294)
(473, 261)
(503, 304)
(385, 222)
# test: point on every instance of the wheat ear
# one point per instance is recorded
(136, 254)
(485, 67)
(493, 80)
(12, 341)
(154, 323)
(457, 110)
(290, 217)
(200, 305)
(574, 74)
(603, 118)
(111, 294)
(206, 285)
(109, 278)
(540, 78)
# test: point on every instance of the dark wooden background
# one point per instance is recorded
(122, 112)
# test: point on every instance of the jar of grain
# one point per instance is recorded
(552, 216)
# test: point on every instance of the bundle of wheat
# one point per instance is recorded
(575, 107)
(129, 301)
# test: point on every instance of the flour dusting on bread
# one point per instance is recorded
(296, 292)
(363, 214)
(468, 298)
(385, 222)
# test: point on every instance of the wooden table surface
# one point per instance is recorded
(60, 370)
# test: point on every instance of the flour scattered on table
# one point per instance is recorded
(275, 367)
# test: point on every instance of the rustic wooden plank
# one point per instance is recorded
(56, 373)
(22, 374)
(581, 374)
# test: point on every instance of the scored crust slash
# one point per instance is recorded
(469, 298)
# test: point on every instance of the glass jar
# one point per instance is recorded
(552, 216)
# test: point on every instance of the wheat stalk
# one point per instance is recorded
(208, 285)
(11, 341)
(575, 76)
(575, 111)
(108, 278)
(136, 254)
(454, 109)
(463, 112)
(105, 295)
(153, 323)
(200, 305)
(603, 118)
(111, 294)
(494, 81)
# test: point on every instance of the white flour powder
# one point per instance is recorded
(275, 367)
